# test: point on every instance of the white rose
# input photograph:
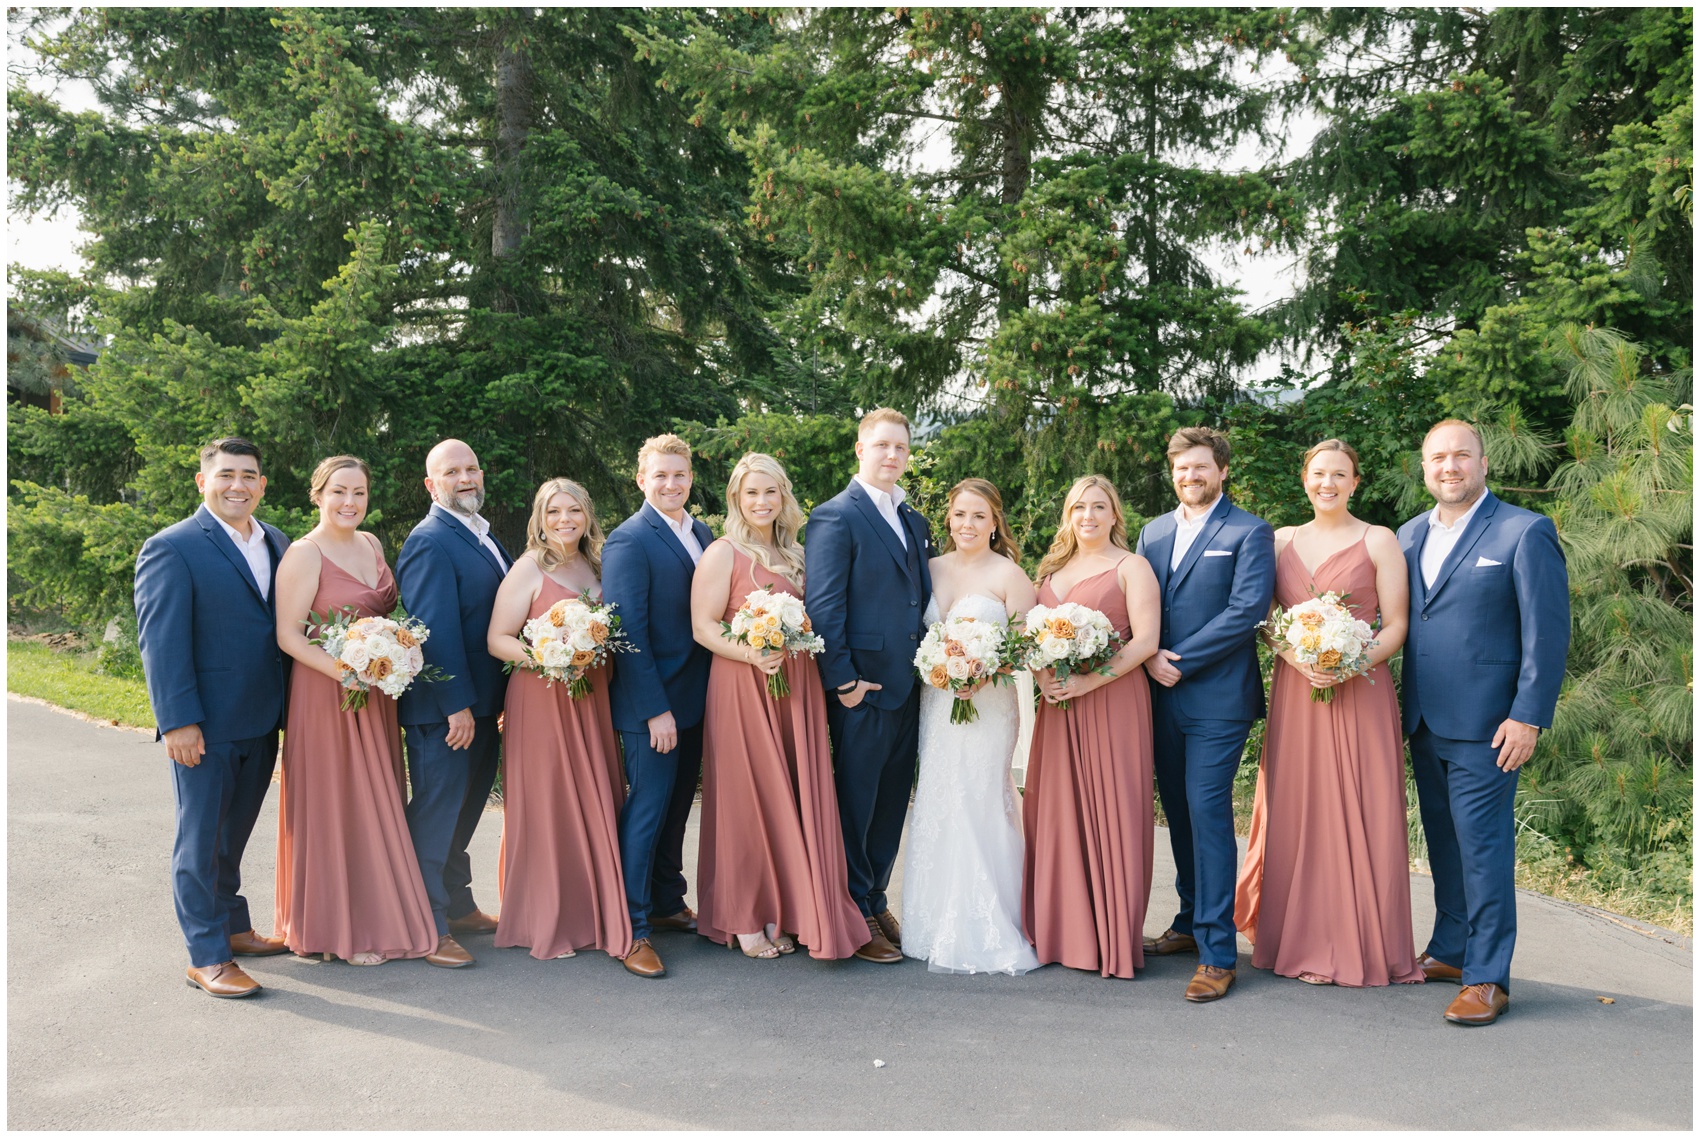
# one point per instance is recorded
(958, 668)
(356, 655)
(1056, 648)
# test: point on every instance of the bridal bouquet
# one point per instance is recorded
(1070, 638)
(1323, 633)
(372, 652)
(573, 637)
(960, 652)
(773, 622)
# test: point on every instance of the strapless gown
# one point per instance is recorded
(1088, 814)
(772, 850)
(562, 788)
(347, 878)
(1326, 885)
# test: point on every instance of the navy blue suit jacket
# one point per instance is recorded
(1488, 641)
(1212, 604)
(208, 638)
(647, 573)
(862, 598)
(449, 580)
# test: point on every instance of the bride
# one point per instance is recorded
(962, 873)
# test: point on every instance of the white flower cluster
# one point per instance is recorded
(1323, 634)
(1068, 634)
(572, 638)
(374, 652)
(959, 652)
(769, 619)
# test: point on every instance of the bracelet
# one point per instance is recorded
(846, 689)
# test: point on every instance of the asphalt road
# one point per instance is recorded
(103, 1032)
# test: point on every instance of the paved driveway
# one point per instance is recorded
(103, 1033)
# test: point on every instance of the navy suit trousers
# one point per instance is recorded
(218, 802)
(448, 790)
(652, 823)
(873, 763)
(1195, 761)
(1466, 803)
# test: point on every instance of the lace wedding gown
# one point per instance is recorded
(962, 873)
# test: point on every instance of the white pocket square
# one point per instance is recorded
(1230, 553)
(1482, 562)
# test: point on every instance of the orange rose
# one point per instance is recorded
(1329, 660)
(405, 638)
(1311, 619)
(598, 631)
(938, 677)
(1061, 627)
(558, 613)
(379, 668)
(807, 625)
(583, 659)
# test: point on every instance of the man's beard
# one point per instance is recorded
(466, 502)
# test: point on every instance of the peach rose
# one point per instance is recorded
(598, 631)
(1061, 627)
(1328, 660)
(558, 614)
(379, 668)
(405, 638)
(938, 677)
(583, 659)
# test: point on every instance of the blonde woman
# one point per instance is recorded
(1087, 811)
(772, 854)
(562, 787)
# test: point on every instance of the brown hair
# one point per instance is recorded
(662, 444)
(230, 445)
(1001, 540)
(1344, 448)
(1481, 444)
(1065, 545)
(884, 415)
(1188, 437)
(322, 473)
(539, 540)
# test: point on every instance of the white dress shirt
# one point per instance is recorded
(481, 530)
(1187, 531)
(1442, 539)
(683, 530)
(887, 505)
(253, 548)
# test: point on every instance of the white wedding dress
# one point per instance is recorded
(962, 872)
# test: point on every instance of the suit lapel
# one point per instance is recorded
(882, 527)
(465, 533)
(1160, 550)
(1472, 534)
(1212, 526)
(670, 539)
(215, 533)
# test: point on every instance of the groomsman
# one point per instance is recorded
(657, 692)
(1215, 564)
(1490, 629)
(868, 585)
(208, 630)
(448, 573)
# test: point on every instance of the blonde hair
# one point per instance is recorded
(1001, 541)
(322, 474)
(1481, 444)
(884, 415)
(540, 541)
(1344, 448)
(663, 444)
(1065, 545)
(786, 526)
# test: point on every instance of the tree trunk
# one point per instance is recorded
(514, 94)
(1017, 176)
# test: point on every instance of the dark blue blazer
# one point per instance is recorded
(449, 580)
(208, 638)
(1212, 604)
(1488, 641)
(862, 597)
(647, 573)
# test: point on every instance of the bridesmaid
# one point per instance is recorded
(1325, 893)
(348, 884)
(772, 853)
(562, 786)
(1087, 809)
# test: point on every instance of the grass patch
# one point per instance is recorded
(69, 679)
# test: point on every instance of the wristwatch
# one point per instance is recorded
(846, 689)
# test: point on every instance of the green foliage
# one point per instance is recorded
(70, 680)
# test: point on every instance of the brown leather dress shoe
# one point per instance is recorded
(889, 926)
(643, 961)
(684, 921)
(1478, 1005)
(1170, 943)
(476, 921)
(252, 943)
(1435, 970)
(1209, 983)
(226, 981)
(448, 954)
(878, 950)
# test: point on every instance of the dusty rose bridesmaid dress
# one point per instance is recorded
(562, 787)
(1087, 813)
(347, 877)
(1326, 885)
(772, 850)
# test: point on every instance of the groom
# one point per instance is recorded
(1490, 629)
(867, 554)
